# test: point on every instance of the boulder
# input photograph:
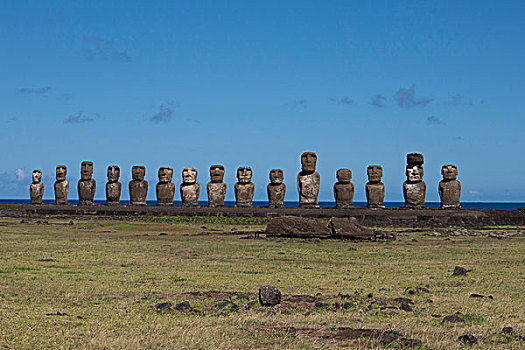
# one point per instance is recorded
(269, 296)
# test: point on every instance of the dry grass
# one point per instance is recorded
(106, 276)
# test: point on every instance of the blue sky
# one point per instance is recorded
(194, 83)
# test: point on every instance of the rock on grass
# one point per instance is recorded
(269, 296)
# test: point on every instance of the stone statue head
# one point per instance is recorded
(37, 176)
(344, 175)
(276, 176)
(113, 173)
(449, 172)
(308, 161)
(375, 173)
(414, 173)
(86, 170)
(189, 175)
(138, 172)
(216, 173)
(165, 174)
(61, 172)
(244, 174)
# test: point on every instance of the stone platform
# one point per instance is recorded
(400, 217)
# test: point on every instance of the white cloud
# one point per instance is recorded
(20, 174)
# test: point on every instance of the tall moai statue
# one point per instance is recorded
(61, 185)
(36, 189)
(414, 188)
(244, 188)
(86, 185)
(344, 189)
(216, 188)
(113, 186)
(165, 188)
(189, 188)
(449, 187)
(308, 181)
(276, 189)
(375, 189)
(138, 187)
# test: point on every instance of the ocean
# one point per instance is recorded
(465, 205)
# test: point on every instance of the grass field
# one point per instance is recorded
(94, 284)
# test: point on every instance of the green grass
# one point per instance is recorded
(106, 276)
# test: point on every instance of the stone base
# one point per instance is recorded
(86, 203)
(450, 207)
(412, 206)
(244, 205)
(112, 203)
(309, 206)
(275, 206)
(138, 203)
(343, 206)
(376, 206)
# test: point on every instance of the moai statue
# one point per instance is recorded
(61, 185)
(414, 188)
(244, 187)
(449, 187)
(113, 186)
(308, 181)
(344, 189)
(216, 188)
(375, 189)
(276, 189)
(189, 188)
(138, 187)
(36, 189)
(86, 185)
(165, 188)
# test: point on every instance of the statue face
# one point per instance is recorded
(113, 173)
(216, 173)
(61, 172)
(165, 174)
(244, 174)
(308, 161)
(344, 175)
(189, 175)
(375, 173)
(276, 176)
(414, 173)
(449, 172)
(138, 172)
(86, 170)
(37, 176)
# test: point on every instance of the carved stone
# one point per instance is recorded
(449, 187)
(216, 188)
(189, 188)
(276, 189)
(36, 189)
(308, 181)
(375, 189)
(61, 185)
(86, 185)
(138, 187)
(414, 188)
(244, 188)
(165, 188)
(113, 186)
(344, 189)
